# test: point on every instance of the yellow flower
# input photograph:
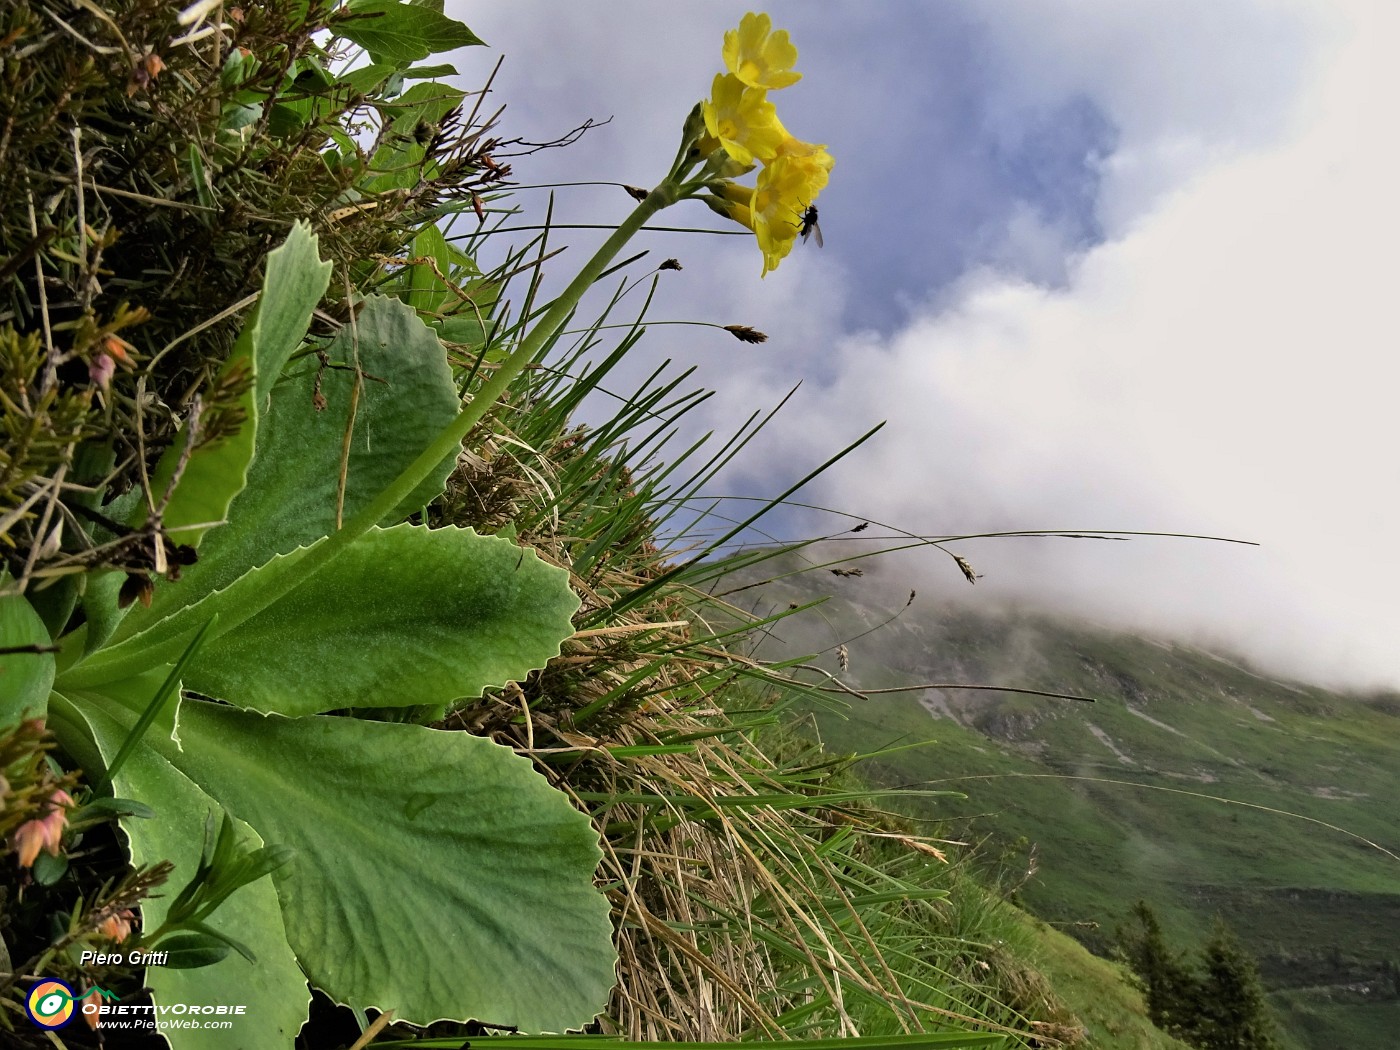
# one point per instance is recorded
(740, 120)
(743, 120)
(808, 152)
(786, 186)
(758, 56)
(731, 168)
(732, 201)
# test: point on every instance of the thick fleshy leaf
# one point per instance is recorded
(405, 616)
(25, 677)
(216, 471)
(436, 874)
(406, 398)
(273, 988)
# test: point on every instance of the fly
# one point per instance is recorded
(809, 225)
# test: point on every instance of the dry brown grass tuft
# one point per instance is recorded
(731, 920)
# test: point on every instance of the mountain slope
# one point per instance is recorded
(1194, 782)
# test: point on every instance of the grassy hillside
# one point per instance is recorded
(1097, 991)
(1194, 782)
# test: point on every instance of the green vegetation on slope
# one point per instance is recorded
(1096, 990)
(1193, 782)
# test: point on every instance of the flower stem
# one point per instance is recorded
(450, 439)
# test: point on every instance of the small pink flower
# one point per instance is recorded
(44, 833)
(101, 370)
(117, 927)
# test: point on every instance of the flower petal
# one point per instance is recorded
(758, 56)
(742, 119)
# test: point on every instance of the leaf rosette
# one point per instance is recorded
(433, 873)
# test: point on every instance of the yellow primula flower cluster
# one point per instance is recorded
(741, 121)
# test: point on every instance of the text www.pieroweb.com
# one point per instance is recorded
(164, 1017)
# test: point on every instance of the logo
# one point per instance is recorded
(50, 1003)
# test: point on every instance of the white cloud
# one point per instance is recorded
(1185, 83)
(1223, 364)
(1227, 365)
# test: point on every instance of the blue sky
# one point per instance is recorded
(1102, 264)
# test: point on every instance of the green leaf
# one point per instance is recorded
(199, 176)
(104, 615)
(288, 118)
(132, 695)
(349, 150)
(25, 678)
(191, 951)
(240, 114)
(115, 807)
(309, 75)
(303, 99)
(48, 869)
(426, 291)
(462, 890)
(274, 988)
(399, 163)
(216, 471)
(423, 103)
(405, 616)
(462, 329)
(155, 704)
(406, 398)
(101, 591)
(402, 33)
(366, 78)
(56, 602)
(430, 72)
(237, 69)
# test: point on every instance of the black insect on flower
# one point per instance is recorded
(809, 225)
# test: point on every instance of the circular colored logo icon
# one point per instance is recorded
(50, 1004)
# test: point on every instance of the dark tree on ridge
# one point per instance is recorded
(1219, 1005)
